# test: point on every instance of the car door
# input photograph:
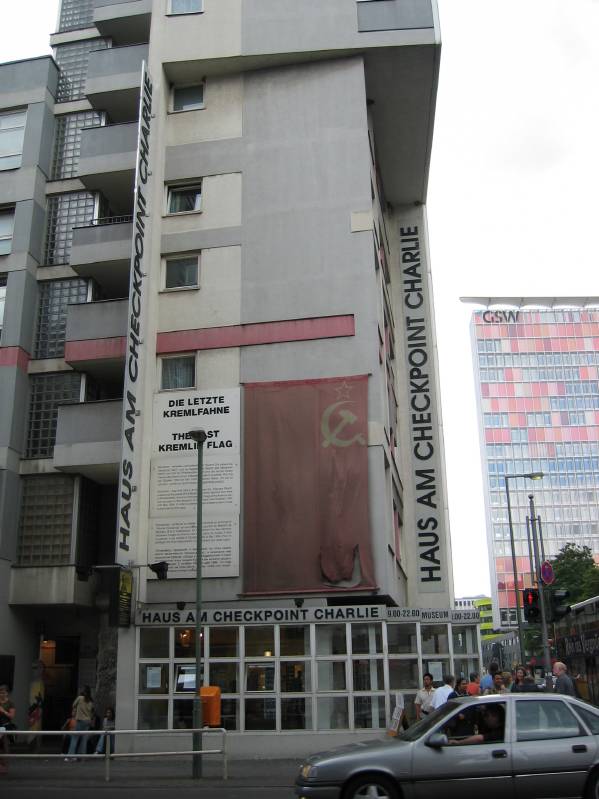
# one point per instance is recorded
(552, 751)
(465, 770)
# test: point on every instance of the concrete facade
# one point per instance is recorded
(302, 259)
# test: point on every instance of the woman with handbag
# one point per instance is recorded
(7, 714)
(83, 713)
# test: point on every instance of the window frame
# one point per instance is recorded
(179, 257)
(19, 151)
(177, 87)
(172, 188)
(522, 735)
(8, 211)
(3, 292)
(171, 13)
(188, 355)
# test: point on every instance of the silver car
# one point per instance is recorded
(509, 746)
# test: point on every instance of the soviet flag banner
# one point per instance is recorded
(306, 521)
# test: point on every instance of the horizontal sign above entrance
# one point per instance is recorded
(164, 616)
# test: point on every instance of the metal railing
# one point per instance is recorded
(109, 756)
(109, 220)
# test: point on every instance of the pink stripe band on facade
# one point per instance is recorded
(14, 356)
(210, 338)
(258, 333)
(95, 349)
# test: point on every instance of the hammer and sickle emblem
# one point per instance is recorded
(331, 436)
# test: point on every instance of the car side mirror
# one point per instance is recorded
(437, 740)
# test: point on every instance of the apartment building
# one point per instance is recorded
(536, 363)
(216, 220)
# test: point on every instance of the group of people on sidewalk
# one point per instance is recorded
(495, 681)
(82, 719)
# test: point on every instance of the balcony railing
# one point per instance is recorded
(107, 220)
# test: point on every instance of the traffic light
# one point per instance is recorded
(558, 607)
(531, 604)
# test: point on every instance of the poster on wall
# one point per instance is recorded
(306, 514)
(173, 485)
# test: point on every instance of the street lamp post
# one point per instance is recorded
(199, 436)
(540, 587)
(507, 478)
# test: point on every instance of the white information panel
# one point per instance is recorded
(173, 489)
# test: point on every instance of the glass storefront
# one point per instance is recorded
(278, 677)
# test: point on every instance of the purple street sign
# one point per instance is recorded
(547, 573)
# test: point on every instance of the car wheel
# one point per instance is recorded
(371, 786)
(592, 790)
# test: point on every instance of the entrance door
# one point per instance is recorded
(60, 658)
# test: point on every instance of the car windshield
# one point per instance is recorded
(424, 725)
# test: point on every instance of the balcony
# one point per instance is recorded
(102, 250)
(95, 338)
(124, 21)
(88, 440)
(113, 80)
(107, 163)
(49, 586)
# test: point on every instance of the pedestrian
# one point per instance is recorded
(487, 680)
(518, 683)
(7, 715)
(445, 692)
(424, 698)
(83, 713)
(491, 729)
(529, 685)
(563, 683)
(507, 679)
(473, 688)
(498, 687)
(107, 726)
(461, 686)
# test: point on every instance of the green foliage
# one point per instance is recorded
(576, 572)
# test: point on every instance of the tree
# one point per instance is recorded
(576, 572)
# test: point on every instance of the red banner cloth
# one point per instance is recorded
(306, 524)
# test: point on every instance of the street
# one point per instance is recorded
(104, 790)
(136, 779)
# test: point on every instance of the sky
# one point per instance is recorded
(512, 202)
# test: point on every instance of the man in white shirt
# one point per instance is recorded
(424, 698)
(445, 692)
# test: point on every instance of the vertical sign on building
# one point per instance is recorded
(426, 517)
(128, 507)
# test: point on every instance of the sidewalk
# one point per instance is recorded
(154, 772)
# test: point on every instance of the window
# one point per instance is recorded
(188, 98)
(486, 722)
(182, 272)
(75, 14)
(184, 199)
(178, 372)
(65, 211)
(46, 520)
(590, 718)
(47, 392)
(12, 130)
(54, 298)
(2, 301)
(67, 142)
(72, 59)
(186, 6)
(538, 720)
(7, 219)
